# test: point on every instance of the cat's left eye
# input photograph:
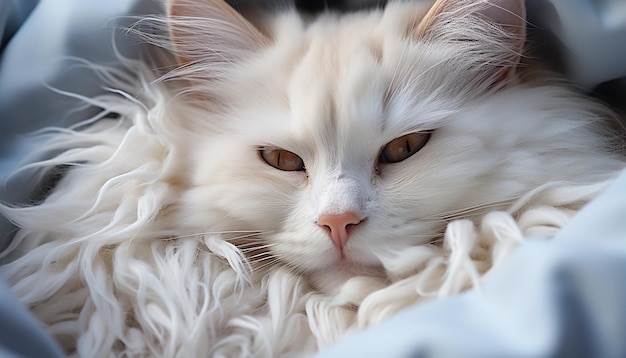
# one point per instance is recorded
(282, 159)
(403, 147)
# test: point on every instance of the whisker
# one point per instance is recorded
(267, 265)
(438, 240)
(459, 213)
(250, 234)
(254, 245)
(245, 240)
(263, 255)
(430, 221)
(205, 233)
(246, 234)
(419, 235)
(251, 247)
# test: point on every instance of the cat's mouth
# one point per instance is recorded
(330, 279)
(348, 265)
(353, 268)
(350, 262)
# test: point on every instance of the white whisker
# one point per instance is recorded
(463, 212)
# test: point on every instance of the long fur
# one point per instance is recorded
(167, 236)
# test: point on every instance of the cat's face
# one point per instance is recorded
(339, 146)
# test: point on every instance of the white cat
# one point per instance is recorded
(293, 178)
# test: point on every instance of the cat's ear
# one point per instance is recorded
(497, 27)
(210, 30)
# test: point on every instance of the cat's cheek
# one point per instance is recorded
(307, 251)
(231, 203)
(233, 189)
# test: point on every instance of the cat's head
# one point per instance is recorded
(330, 144)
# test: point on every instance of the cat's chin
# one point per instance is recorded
(331, 279)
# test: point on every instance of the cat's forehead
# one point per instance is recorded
(345, 71)
(337, 84)
(334, 78)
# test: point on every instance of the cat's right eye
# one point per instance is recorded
(403, 147)
(282, 159)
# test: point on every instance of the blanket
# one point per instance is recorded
(570, 303)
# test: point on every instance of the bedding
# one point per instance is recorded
(570, 301)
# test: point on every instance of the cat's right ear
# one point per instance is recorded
(210, 31)
(489, 34)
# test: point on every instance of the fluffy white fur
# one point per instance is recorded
(169, 236)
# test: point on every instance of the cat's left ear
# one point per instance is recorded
(210, 31)
(497, 28)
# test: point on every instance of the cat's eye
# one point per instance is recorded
(403, 147)
(282, 159)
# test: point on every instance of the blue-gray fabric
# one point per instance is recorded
(21, 335)
(556, 298)
(43, 41)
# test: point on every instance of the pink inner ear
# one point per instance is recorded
(504, 25)
(212, 23)
(510, 14)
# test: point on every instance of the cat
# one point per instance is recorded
(363, 134)
(289, 164)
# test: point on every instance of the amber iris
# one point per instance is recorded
(282, 159)
(403, 147)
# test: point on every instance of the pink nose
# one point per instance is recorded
(338, 226)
